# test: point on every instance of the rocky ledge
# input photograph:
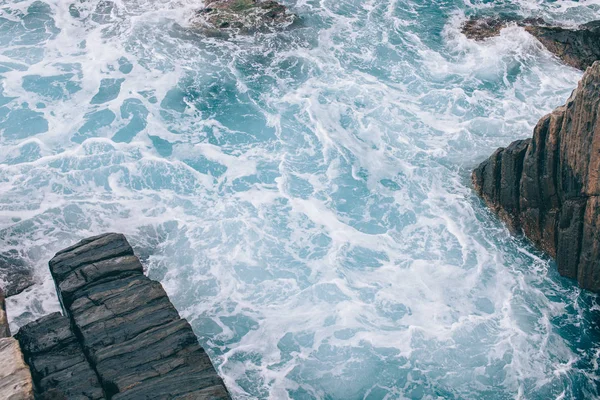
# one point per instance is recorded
(578, 47)
(15, 379)
(243, 16)
(548, 187)
(120, 336)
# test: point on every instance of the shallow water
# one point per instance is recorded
(303, 196)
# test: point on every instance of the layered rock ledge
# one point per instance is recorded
(548, 187)
(577, 47)
(120, 336)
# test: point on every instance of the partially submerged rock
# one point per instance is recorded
(244, 16)
(15, 273)
(578, 47)
(549, 186)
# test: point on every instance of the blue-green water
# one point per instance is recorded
(304, 196)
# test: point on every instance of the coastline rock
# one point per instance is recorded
(15, 378)
(243, 16)
(130, 332)
(578, 48)
(58, 366)
(4, 328)
(548, 187)
(15, 273)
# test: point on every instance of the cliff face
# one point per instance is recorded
(548, 187)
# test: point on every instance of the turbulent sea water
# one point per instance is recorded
(303, 196)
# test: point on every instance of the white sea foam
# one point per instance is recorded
(303, 197)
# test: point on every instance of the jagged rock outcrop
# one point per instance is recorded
(549, 186)
(15, 378)
(243, 16)
(120, 338)
(578, 48)
(58, 366)
(4, 329)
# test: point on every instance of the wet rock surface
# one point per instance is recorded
(15, 378)
(243, 16)
(548, 187)
(578, 47)
(128, 329)
(120, 336)
(58, 366)
(4, 328)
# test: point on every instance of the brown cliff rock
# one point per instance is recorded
(549, 186)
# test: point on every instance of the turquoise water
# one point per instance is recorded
(303, 196)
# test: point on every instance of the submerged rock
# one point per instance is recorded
(549, 186)
(244, 16)
(578, 48)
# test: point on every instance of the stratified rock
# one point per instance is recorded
(549, 186)
(15, 379)
(130, 332)
(481, 28)
(578, 47)
(4, 328)
(244, 16)
(58, 366)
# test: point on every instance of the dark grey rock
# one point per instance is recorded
(549, 187)
(578, 47)
(15, 272)
(130, 332)
(58, 365)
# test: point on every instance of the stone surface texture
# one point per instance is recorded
(130, 333)
(4, 328)
(578, 47)
(548, 187)
(244, 16)
(16, 274)
(15, 378)
(58, 366)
